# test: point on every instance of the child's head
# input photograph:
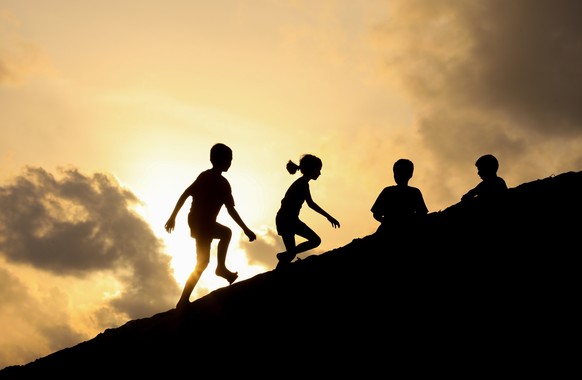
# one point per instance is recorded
(220, 156)
(403, 170)
(307, 164)
(487, 165)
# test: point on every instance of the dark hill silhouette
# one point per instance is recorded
(477, 289)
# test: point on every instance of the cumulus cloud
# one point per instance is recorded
(78, 225)
(263, 250)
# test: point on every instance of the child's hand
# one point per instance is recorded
(170, 225)
(334, 222)
(251, 235)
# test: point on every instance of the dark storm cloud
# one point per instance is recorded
(77, 225)
(525, 61)
(518, 59)
(491, 76)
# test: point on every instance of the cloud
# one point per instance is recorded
(493, 76)
(78, 225)
(263, 250)
(517, 58)
(46, 324)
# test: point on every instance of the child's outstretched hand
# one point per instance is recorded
(334, 222)
(251, 235)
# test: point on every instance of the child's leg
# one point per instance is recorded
(223, 234)
(289, 254)
(313, 240)
(202, 260)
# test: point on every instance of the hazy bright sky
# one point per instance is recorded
(108, 110)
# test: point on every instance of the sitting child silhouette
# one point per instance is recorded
(400, 204)
(491, 185)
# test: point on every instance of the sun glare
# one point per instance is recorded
(182, 250)
(183, 253)
(158, 200)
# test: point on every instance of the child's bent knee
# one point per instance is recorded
(316, 241)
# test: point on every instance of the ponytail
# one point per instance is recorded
(307, 162)
(292, 167)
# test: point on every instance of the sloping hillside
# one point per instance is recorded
(476, 289)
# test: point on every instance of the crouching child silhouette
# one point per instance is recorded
(210, 191)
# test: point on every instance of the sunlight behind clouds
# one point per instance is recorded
(60, 311)
(108, 237)
(129, 97)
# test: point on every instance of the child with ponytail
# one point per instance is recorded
(287, 219)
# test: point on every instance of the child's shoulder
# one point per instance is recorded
(389, 189)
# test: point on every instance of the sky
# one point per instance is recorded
(108, 111)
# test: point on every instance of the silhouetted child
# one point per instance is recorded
(287, 219)
(209, 192)
(400, 204)
(491, 184)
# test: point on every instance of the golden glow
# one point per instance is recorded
(142, 90)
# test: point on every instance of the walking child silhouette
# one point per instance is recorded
(287, 219)
(210, 191)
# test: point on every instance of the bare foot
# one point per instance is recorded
(285, 257)
(228, 275)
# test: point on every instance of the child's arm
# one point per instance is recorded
(171, 223)
(377, 207)
(236, 217)
(421, 208)
(471, 193)
(318, 209)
